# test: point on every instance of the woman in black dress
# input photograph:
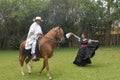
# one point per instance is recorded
(85, 51)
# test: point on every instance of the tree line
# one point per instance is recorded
(98, 18)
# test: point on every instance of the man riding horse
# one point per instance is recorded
(47, 45)
(35, 31)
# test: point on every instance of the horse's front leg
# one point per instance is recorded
(47, 67)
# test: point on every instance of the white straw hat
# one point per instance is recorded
(38, 18)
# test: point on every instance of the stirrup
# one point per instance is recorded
(37, 59)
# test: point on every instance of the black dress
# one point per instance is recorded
(85, 52)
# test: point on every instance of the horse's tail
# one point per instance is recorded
(21, 47)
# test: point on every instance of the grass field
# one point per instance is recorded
(105, 66)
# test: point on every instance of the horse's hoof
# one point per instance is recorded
(39, 74)
(22, 73)
(29, 73)
(50, 78)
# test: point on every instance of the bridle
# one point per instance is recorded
(53, 40)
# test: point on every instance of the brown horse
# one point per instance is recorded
(47, 44)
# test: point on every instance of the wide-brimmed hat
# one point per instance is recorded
(38, 18)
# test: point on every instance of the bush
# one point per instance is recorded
(14, 42)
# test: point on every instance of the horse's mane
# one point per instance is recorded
(49, 34)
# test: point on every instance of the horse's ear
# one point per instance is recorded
(59, 27)
(55, 28)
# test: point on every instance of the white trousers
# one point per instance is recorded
(33, 47)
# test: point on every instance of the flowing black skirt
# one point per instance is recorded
(84, 55)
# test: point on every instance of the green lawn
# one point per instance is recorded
(105, 66)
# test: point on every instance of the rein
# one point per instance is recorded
(52, 40)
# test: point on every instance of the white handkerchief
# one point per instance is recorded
(68, 35)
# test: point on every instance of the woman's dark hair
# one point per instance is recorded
(85, 35)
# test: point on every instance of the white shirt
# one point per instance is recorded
(33, 34)
(89, 40)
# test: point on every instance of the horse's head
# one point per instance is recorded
(59, 34)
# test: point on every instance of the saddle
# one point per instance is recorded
(27, 52)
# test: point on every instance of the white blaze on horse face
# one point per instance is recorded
(62, 39)
(22, 71)
(29, 68)
(59, 32)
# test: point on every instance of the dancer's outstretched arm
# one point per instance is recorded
(95, 41)
(76, 36)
